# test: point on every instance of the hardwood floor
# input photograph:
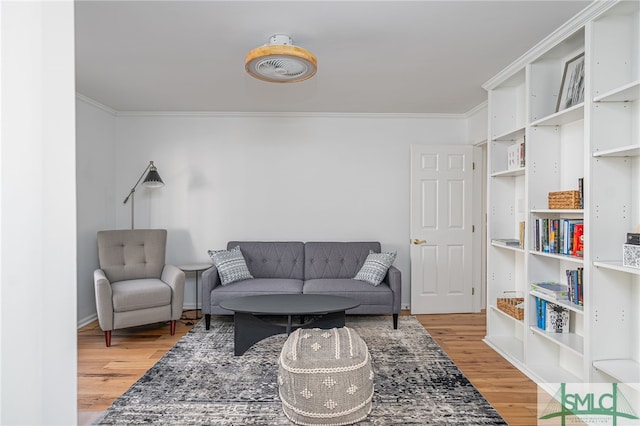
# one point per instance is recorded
(106, 373)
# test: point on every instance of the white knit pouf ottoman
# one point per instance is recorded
(325, 377)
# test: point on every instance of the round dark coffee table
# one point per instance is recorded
(327, 312)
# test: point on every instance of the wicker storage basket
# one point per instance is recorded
(509, 305)
(564, 200)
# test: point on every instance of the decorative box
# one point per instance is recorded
(512, 306)
(557, 320)
(564, 200)
(631, 255)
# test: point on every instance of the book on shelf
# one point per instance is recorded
(581, 190)
(578, 240)
(521, 234)
(575, 285)
(560, 236)
(507, 242)
(552, 290)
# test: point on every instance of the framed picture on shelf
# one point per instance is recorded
(572, 86)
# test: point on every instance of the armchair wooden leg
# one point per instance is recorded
(173, 327)
(107, 338)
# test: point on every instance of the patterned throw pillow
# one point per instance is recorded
(375, 267)
(231, 265)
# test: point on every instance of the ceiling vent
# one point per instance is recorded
(280, 61)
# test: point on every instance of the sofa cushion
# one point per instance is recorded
(273, 259)
(256, 287)
(230, 264)
(375, 267)
(336, 259)
(361, 291)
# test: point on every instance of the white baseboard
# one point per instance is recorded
(87, 320)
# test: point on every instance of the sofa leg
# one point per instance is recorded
(107, 338)
(207, 321)
(173, 327)
(395, 321)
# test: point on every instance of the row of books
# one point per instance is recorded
(551, 317)
(561, 236)
(575, 285)
(572, 291)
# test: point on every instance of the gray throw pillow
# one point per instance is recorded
(231, 265)
(375, 267)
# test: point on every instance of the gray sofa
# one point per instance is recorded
(309, 268)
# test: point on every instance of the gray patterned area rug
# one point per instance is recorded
(200, 382)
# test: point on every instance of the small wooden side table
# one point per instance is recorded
(197, 268)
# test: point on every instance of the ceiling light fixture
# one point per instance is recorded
(280, 61)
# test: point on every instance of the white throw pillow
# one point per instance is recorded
(375, 267)
(231, 265)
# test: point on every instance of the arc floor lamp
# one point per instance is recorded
(152, 180)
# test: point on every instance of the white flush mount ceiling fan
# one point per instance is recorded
(280, 61)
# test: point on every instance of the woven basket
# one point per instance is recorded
(564, 200)
(508, 305)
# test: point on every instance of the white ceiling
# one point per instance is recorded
(373, 56)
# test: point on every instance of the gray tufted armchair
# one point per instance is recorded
(133, 285)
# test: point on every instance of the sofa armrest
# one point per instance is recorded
(210, 280)
(104, 300)
(394, 280)
(174, 278)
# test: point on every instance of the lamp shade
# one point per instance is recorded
(153, 179)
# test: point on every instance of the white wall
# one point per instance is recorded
(478, 124)
(37, 224)
(275, 177)
(96, 168)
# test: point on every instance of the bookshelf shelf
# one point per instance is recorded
(570, 341)
(509, 173)
(627, 93)
(622, 370)
(552, 374)
(560, 118)
(623, 151)
(564, 303)
(510, 136)
(513, 248)
(574, 259)
(507, 347)
(558, 211)
(616, 266)
(504, 314)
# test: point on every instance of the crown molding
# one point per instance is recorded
(476, 109)
(287, 114)
(240, 114)
(96, 104)
(571, 26)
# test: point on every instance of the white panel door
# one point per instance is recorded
(442, 186)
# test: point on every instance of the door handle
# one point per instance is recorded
(418, 242)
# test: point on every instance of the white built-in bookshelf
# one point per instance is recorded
(596, 139)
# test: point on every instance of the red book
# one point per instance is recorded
(578, 240)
